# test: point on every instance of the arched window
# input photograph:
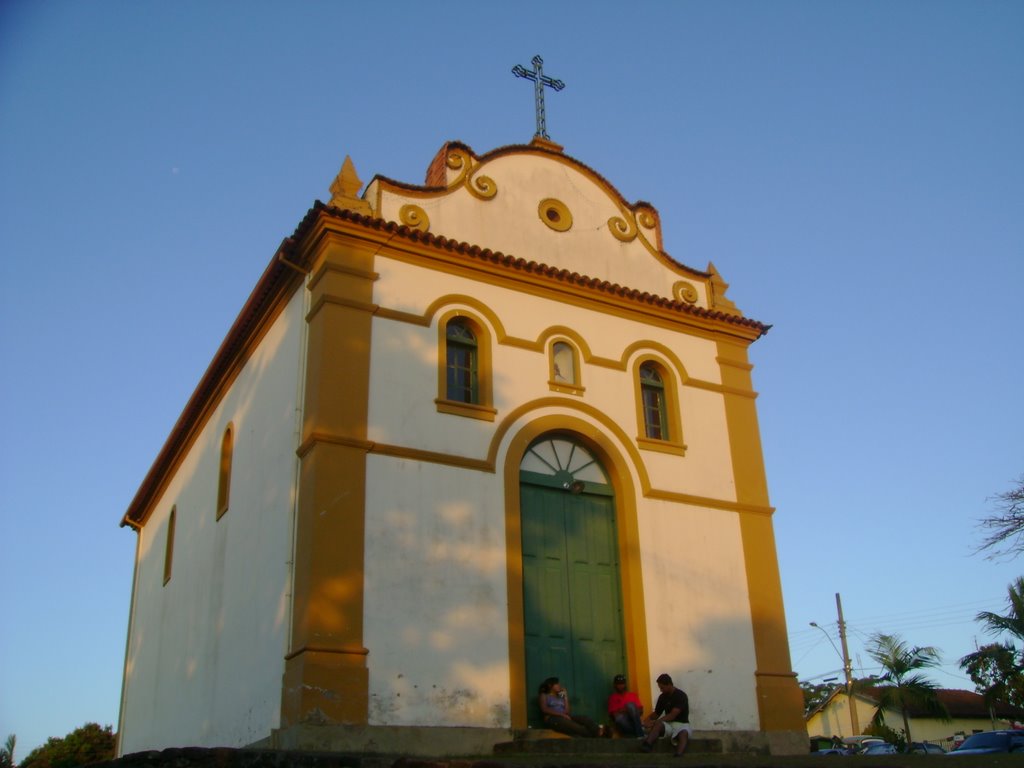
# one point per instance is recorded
(464, 367)
(565, 368)
(652, 395)
(657, 408)
(169, 545)
(227, 447)
(462, 363)
(563, 363)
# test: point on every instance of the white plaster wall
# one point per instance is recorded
(698, 611)
(435, 533)
(436, 600)
(404, 362)
(205, 651)
(509, 222)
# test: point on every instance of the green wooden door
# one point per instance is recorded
(571, 595)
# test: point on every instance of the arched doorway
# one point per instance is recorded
(572, 597)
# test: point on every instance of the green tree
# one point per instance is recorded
(902, 686)
(7, 752)
(997, 674)
(87, 744)
(1004, 528)
(997, 669)
(814, 694)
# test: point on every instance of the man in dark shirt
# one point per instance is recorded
(671, 717)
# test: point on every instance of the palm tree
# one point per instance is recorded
(997, 669)
(7, 752)
(902, 684)
(1013, 622)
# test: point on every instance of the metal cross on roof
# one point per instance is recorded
(539, 81)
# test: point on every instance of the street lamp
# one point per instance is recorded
(847, 668)
(831, 642)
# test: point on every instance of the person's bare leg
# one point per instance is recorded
(683, 739)
(656, 730)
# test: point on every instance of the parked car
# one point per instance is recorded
(879, 749)
(926, 748)
(857, 744)
(990, 742)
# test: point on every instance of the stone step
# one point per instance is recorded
(538, 741)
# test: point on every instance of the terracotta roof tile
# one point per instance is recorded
(959, 703)
(524, 265)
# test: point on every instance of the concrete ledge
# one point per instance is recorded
(436, 742)
(411, 740)
(566, 746)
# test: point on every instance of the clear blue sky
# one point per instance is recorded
(854, 170)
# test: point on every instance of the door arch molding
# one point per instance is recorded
(633, 611)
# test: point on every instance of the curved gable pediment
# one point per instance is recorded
(537, 203)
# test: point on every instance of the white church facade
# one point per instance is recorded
(462, 437)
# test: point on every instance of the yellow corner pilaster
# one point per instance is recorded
(780, 702)
(326, 678)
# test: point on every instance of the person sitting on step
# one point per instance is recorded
(671, 717)
(625, 709)
(553, 700)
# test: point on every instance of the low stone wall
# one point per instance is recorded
(433, 742)
(417, 741)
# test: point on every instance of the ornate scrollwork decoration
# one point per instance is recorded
(648, 219)
(458, 160)
(414, 216)
(640, 223)
(624, 230)
(481, 187)
(685, 291)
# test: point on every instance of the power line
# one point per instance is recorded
(925, 618)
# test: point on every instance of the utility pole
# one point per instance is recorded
(848, 669)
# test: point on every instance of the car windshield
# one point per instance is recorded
(985, 740)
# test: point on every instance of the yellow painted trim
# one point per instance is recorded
(779, 699)
(551, 334)
(685, 291)
(672, 447)
(313, 438)
(574, 387)
(488, 464)
(634, 619)
(432, 457)
(323, 677)
(626, 226)
(414, 216)
(454, 299)
(484, 409)
(326, 299)
(555, 214)
(326, 268)
(469, 410)
(539, 344)
(674, 443)
(480, 186)
(566, 292)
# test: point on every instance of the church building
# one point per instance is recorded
(463, 436)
